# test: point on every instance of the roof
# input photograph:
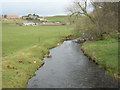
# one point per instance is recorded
(11, 15)
(24, 16)
(33, 16)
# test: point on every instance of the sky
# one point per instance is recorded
(40, 7)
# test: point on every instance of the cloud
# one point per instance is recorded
(41, 8)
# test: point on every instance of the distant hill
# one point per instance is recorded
(62, 19)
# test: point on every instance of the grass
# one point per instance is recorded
(24, 48)
(105, 53)
(62, 19)
(13, 21)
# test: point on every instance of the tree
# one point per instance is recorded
(34, 15)
(80, 8)
(103, 18)
(29, 15)
(106, 16)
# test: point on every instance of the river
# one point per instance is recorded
(70, 68)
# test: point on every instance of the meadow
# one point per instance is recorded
(24, 48)
(105, 53)
(62, 19)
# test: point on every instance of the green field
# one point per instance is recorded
(62, 19)
(105, 53)
(13, 21)
(24, 48)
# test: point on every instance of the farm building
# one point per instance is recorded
(34, 17)
(42, 19)
(24, 17)
(29, 23)
(11, 16)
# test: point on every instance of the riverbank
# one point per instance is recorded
(24, 49)
(104, 53)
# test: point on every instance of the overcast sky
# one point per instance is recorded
(41, 7)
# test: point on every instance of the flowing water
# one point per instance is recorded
(69, 68)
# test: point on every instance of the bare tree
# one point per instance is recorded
(80, 7)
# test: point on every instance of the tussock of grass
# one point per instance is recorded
(24, 48)
(105, 53)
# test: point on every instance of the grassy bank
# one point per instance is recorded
(105, 53)
(23, 50)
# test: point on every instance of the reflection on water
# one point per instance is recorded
(69, 68)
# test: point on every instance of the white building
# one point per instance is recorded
(29, 23)
(42, 19)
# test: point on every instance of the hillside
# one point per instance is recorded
(62, 19)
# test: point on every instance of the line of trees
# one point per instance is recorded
(100, 23)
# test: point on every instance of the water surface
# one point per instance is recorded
(69, 68)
